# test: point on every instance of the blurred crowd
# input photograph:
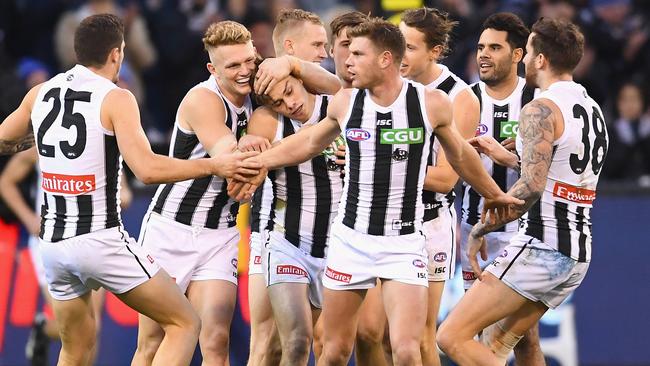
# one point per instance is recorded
(164, 55)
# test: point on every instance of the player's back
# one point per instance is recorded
(562, 216)
(79, 159)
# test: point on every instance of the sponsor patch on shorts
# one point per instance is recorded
(338, 276)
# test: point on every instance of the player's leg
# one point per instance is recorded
(150, 335)
(161, 300)
(340, 317)
(440, 236)
(214, 301)
(262, 328)
(428, 347)
(97, 299)
(318, 333)
(528, 351)
(76, 328)
(406, 319)
(293, 318)
(369, 350)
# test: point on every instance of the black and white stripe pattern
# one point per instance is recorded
(201, 202)
(495, 115)
(385, 171)
(306, 195)
(434, 201)
(562, 216)
(69, 208)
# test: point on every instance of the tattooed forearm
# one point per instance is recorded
(8, 147)
(536, 128)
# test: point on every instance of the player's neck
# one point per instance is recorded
(106, 71)
(546, 80)
(234, 98)
(503, 89)
(387, 90)
(431, 74)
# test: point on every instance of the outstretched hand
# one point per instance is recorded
(253, 143)
(233, 164)
(494, 150)
(243, 189)
(498, 208)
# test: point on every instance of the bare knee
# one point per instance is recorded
(147, 348)
(336, 352)
(214, 341)
(446, 341)
(369, 335)
(406, 352)
(296, 348)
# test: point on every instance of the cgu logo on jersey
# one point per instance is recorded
(481, 129)
(68, 184)
(357, 134)
(402, 136)
(509, 129)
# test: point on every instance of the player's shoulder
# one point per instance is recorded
(264, 113)
(436, 97)
(119, 96)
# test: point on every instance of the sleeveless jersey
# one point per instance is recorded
(561, 218)
(499, 119)
(201, 202)
(434, 201)
(78, 158)
(307, 195)
(385, 162)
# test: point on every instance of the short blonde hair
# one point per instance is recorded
(225, 33)
(288, 19)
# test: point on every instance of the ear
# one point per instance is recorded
(331, 51)
(114, 55)
(385, 59)
(517, 55)
(288, 47)
(541, 61)
(211, 69)
(435, 53)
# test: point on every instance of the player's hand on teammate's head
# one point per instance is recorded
(475, 245)
(236, 165)
(253, 143)
(270, 72)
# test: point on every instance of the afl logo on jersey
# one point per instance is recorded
(357, 134)
(481, 130)
(69, 77)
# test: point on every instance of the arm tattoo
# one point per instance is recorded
(536, 129)
(8, 147)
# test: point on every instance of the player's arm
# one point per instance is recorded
(205, 114)
(308, 142)
(317, 80)
(460, 154)
(260, 131)
(16, 170)
(121, 111)
(495, 151)
(16, 131)
(537, 127)
(466, 111)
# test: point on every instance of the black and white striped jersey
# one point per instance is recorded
(385, 162)
(79, 160)
(434, 201)
(262, 208)
(201, 202)
(561, 218)
(499, 119)
(307, 195)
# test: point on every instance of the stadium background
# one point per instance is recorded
(605, 322)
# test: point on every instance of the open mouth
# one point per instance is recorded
(484, 66)
(243, 81)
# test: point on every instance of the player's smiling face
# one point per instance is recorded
(233, 66)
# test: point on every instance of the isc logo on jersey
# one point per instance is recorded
(402, 136)
(508, 129)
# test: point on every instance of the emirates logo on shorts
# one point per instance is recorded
(257, 260)
(338, 276)
(468, 276)
(150, 258)
(288, 269)
(440, 257)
